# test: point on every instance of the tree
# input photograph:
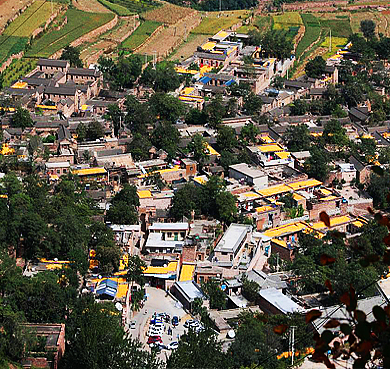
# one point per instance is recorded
(81, 132)
(378, 189)
(166, 137)
(185, 200)
(196, 116)
(166, 107)
(297, 138)
(139, 116)
(315, 67)
(216, 111)
(107, 252)
(226, 138)
(198, 350)
(316, 165)
(123, 206)
(135, 274)
(94, 131)
(226, 206)
(299, 107)
(1, 81)
(367, 26)
(212, 288)
(198, 146)
(162, 78)
(72, 54)
(96, 340)
(252, 104)
(21, 119)
(114, 113)
(250, 289)
(249, 133)
(139, 147)
(335, 134)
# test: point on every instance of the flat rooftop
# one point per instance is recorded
(232, 238)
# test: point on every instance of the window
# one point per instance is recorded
(169, 234)
(231, 257)
(64, 170)
(58, 171)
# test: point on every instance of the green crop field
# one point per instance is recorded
(35, 16)
(263, 23)
(10, 45)
(312, 33)
(116, 8)
(212, 24)
(135, 6)
(287, 20)
(140, 34)
(17, 69)
(79, 23)
(339, 27)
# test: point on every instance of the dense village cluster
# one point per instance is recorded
(192, 215)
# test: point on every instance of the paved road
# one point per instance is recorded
(158, 301)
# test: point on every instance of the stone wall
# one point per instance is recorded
(10, 59)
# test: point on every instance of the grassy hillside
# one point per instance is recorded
(140, 35)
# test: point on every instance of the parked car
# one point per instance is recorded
(190, 322)
(173, 345)
(132, 325)
(154, 339)
(175, 321)
(156, 321)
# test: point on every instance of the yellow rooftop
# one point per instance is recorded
(171, 267)
(201, 180)
(267, 139)
(144, 194)
(304, 184)
(212, 151)
(19, 85)
(89, 171)
(298, 197)
(187, 271)
(270, 147)
(188, 91)
(335, 221)
(264, 208)
(208, 45)
(161, 171)
(222, 33)
(286, 229)
(274, 190)
(283, 154)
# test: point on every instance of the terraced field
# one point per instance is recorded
(135, 6)
(10, 45)
(140, 35)
(212, 23)
(35, 16)
(168, 13)
(116, 8)
(8, 8)
(187, 48)
(79, 23)
(91, 6)
(312, 33)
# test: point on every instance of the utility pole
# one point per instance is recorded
(277, 262)
(292, 343)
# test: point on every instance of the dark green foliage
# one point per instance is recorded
(166, 107)
(273, 44)
(91, 132)
(115, 115)
(252, 104)
(21, 119)
(123, 209)
(196, 116)
(161, 78)
(367, 27)
(122, 73)
(378, 188)
(72, 54)
(212, 289)
(250, 289)
(299, 107)
(297, 138)
(315, 67)
(166, 137)
(317, 165)
(139, 147)
(216, 111)
(187, 199)
(198, 147)
(198, 350)
(226, 138)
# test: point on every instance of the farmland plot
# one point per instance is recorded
(79, 23)
(116, 8)
(168, 13)
(91, 6)
(35, 16)
(140, 35)
(137, 6)
(312, 33)
(8, 8)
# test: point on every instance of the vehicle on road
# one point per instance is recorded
(175, 321)
(173, 345)
(154, 339)
(132, 325)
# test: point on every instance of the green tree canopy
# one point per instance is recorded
(123, 209)
(72, 54)
(21, 119)
(162, 78)
(315, 67)
(297, 138)
(367, 27)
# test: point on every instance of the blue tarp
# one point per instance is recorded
(205, 80)
(228, 83)
(107, 288)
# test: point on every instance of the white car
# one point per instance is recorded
(132, 325)
(190, 322)
(173, 345)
